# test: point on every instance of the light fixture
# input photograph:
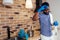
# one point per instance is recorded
(7, 2)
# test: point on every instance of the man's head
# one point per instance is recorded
(46, 11)
(45, 3)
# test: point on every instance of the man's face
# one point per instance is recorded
(46, 11)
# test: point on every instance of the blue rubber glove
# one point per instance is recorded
(21, 33)
(26, 36)
(55, 23)
(42, 8)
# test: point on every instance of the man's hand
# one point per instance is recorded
(42, 8)
(55, 23)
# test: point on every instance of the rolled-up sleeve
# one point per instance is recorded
(51, 18)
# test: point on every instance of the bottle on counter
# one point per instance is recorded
(30, 32)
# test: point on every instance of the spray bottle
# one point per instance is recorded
(30, 32)
(55, 25)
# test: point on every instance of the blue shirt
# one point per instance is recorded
(45, 24)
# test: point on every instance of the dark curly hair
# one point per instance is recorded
(45, 3)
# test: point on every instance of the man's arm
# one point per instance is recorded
(35, 17)
(51, 19)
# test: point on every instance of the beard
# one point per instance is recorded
(46, 13)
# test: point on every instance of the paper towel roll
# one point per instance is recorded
(29, 4)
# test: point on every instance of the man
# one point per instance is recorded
(45, 20)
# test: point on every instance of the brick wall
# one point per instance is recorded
(43, 1)
(15, 16)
